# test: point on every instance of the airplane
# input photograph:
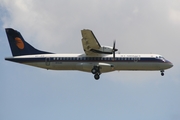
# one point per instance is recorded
(97, 59)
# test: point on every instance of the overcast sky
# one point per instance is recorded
(138, 26)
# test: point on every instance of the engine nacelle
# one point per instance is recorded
(104, 50)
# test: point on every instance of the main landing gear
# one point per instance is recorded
(96, 72)
(162, 72)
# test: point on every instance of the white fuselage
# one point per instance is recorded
(85, 63)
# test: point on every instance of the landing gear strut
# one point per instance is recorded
(162, 72)
(96, 72)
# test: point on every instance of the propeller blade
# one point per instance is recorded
(114, 50)
(114, 44)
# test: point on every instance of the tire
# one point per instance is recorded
(162, 74)
(93, 71)
(96, 76)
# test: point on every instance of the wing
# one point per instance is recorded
(89, 42)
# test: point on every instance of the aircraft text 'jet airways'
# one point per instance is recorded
(97, 59)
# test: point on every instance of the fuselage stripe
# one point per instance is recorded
(82, 59)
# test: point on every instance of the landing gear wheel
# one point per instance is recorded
(96, 76)
(162, 74)
(96, 71)
(93, 71)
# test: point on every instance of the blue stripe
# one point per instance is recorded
(75, 59)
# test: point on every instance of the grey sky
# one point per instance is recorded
(137, 26)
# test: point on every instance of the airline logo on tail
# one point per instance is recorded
(19, 43)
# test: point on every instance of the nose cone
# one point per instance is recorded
(169, 64)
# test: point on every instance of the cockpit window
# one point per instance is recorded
(160, 57)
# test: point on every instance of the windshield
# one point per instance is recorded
(160, 57)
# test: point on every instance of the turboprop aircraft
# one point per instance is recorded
(97, 59)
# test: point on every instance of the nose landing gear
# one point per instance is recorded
(162, 72)
(96, 72)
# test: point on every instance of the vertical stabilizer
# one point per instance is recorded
(19, 46)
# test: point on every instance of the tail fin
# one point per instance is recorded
(19, 46)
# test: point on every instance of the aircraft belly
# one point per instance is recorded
(54, 65)
(87, 67)
(136, 66)
(36, 64)
(63, 65)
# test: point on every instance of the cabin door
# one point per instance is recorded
(47, 61)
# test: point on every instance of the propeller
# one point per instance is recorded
(114, 50)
